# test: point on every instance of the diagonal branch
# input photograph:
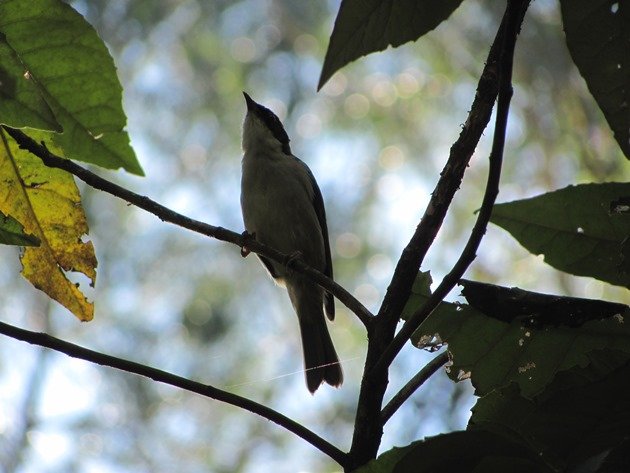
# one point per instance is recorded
(412, 385)
(76, 351)
(167, 215)
(383, 346)
(514, 13)
(450, 180)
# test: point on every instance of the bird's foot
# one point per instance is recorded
(247, 236)
(293, 258)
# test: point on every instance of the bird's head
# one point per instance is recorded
(262, 130)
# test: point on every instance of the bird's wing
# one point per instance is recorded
(320, 211)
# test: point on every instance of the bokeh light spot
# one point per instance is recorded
(384, 93)
(243, 49)
(305, 44)
(407, 84)
(380, 266)
(308, 125)
(391, 158)
(348, 245)
(356, 106)
(336, 85)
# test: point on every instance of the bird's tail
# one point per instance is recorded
(320, 358)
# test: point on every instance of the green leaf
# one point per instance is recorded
(366, 26)
(21, 103)
(420, 291)
(580, 415)
(75, 74)
(12, 233)
(493, 353)
(598, 37)
(462, 452)
(573, 228)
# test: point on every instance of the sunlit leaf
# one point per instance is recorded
(72, 68)
(366, 26)
(21, 103)
(493, 353)
(598, 36)
(573, 228)
(47, 202)
(12, 233)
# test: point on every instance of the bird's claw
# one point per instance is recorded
(293, 258)
(247, 236)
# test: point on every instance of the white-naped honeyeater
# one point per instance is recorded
(283, 208)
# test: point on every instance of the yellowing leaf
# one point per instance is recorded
(47, 203)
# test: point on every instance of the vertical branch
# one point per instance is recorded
(496, 79)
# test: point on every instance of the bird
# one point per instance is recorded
(283, 208)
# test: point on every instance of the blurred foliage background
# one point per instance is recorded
(376, 138)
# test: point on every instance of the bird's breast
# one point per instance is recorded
(277, 206)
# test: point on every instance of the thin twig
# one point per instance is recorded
(412, 385)
(514, 16)
(167, 215)
(76, 351)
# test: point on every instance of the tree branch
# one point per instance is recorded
(382, 346)
(76, 351)
(514, 13)
(450, 180)
(167, 215)
(412, 385)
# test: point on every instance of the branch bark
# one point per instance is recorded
(76, 351)
(412, 385)
(514, 14)
(167, 215)
(382, 346)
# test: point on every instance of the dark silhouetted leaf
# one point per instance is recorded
(366, 26)
(470, 451)
(535, 309)
(580, 414)
(598, 36)
(493, 353)
(573, 228)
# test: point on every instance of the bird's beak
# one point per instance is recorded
(251, 105)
